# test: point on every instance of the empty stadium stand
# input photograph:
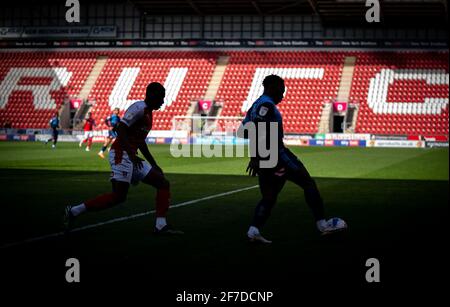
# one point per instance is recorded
(397, 92)
(408, 97)
(125, 76)
(312, 78)
(33, 85)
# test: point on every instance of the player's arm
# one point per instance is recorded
(143, 148)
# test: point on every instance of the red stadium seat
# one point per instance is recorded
(409, 89)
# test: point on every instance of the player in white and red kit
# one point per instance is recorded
(88, 127)
(127, 168)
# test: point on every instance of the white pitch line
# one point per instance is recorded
(124, 218)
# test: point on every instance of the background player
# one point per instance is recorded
(128, 168)
(54, 124)
(289, 167)
(88, 127)
(112, 122)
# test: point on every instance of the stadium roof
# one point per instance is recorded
(393, 12)
(398, 13)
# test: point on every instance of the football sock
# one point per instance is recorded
(314, 200)
(102, 202)
(160, 222)
(89, 142)
(162, 202)
(103, 149)
(262, 212)
(253, 231)
(77, 210)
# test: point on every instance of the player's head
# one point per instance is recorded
(154, 95)
(274, 87)
(116, 111)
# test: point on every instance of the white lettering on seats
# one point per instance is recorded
(119, 95)
(379, 87)
(256, 89)
(42, 98)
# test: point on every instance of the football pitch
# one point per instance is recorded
(395, 202)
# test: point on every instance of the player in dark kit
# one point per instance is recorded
(54, 124)
(112, 122)
(127, 168)
(288, 166)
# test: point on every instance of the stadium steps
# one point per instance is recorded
(86, 89)
(213, 85)
(92, 78)
(216, 78)
(324, 123)
(346, 79)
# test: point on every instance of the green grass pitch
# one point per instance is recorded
(394, 201)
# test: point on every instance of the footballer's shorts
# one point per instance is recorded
(88, 134)
(291, 169)
(125, 171)
(290, 161)
(288, 165)
(112, 134)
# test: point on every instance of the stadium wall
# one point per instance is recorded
(304, 140)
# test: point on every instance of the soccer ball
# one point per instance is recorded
(336, 223)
